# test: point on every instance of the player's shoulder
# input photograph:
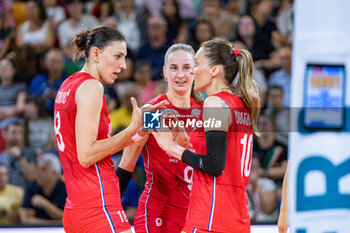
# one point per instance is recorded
(213, 101)
(157, 99)
(77, 79)
(91, 86)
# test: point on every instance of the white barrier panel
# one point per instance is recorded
(319, 151)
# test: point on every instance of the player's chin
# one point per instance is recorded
(182, 89)
(111, 79)
(198, 87)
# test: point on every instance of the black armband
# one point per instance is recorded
(214, 162)
(124, 178)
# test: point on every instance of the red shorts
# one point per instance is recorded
(108, 219)
(195, 230)
(159, 219)
(156, 224)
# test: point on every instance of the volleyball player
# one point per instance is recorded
(219, 201)
(164, 202)
(82, 128)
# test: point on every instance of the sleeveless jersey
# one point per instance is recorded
(169, 180)
(220, 204)
(97, 185)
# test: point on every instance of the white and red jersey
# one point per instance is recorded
(169, 180)
(220, 204)
(97, 185)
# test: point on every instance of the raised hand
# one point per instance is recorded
(179, 133)
(164, 139)
(157, 106)
(136, 121)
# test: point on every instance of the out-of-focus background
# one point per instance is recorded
(35, 58)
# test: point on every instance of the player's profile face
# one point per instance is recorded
(202, 74)
(111, 61)
(178, 70)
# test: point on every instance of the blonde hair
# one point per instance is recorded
(238, 69)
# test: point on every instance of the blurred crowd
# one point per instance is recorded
(35, 58)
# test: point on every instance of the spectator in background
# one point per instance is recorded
(282, 77)
(270, 150)
(44, 198)
(39, 126)
(262, 194)
(188, 8)
(55, 13)
(235, 7)
(261, 11)
(27, 59)
(47, 84)
(36, 31)
(224, 23)
(203, 31)
(112, 99)
(146, 88)
(258, 45)
(124, 81)
(7, 25)
(130, 23)
(177, 27)
(10, 198)
(70, 27)
(12, 94)
(276, 110)
(285, 19)
(154, 50)
(110, 21)
(258, 74)
(121, 117)
(19, 159)
(102, 9)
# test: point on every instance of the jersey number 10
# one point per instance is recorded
(246, 154)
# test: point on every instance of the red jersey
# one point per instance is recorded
(169, 182)
(220, 204)
(97, 185)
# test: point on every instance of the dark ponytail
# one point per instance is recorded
(79, 44)
(99, 37)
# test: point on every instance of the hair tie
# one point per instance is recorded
(236, 52)
(87, 43)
